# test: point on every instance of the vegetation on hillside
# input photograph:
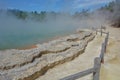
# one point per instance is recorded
(113, 8)
(43, 15)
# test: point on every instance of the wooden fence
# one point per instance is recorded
(97, 64)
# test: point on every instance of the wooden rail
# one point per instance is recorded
(97, 64)
(78, 75)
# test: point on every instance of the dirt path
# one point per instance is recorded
(111, 69)
(84, 61)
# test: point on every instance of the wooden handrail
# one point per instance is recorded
(97, 64)
(78, 75)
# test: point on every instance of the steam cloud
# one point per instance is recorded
(13, 29)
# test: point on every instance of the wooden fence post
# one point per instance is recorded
(101, 30)
(97, 65)
(102, 52)
(96, 32)
(106, 40)
(107, 36)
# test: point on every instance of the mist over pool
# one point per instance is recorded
(15, 33)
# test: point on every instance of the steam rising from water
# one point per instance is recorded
(16, 33)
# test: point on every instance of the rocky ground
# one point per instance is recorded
(32, 63)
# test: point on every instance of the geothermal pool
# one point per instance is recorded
(20, 34)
